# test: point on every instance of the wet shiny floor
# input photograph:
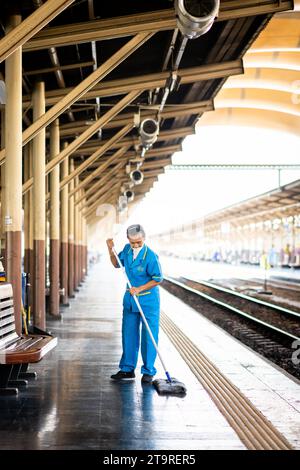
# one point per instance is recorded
(74, 404)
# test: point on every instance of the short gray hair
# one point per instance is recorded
(135, 230)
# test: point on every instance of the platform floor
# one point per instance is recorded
(75, 405)
(273, 392)
(206, 270)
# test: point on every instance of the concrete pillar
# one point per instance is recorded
(84, 235)
(54, 222)
(79, 246)
(13, 172)
(64, 207)
(80, 265)
(26, 211)
(85, 246)
(39, 228)
(28, 223)
(83, 231)
(71, 235)
(76, 248)
(83, 268)
(79, 272)
(31, 218)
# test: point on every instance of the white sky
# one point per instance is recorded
(181, 196)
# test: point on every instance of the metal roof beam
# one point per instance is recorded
(142, 189)
(102, 189)
(159, 163)
(160, 152)
(100, 169)
(107, 197)
(103, 184)
(92, 146)
(100, 30)
(81, 89)
(172, 111)
(148, 81)
(102, 121)
(97, 172)
(88, 63)
(30, 26)
(94, 156)
(112, 188)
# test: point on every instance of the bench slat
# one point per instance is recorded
(25, 343)
(7, 329)
(6, 321)
(15, 349)
(6, 311)
(6, 302)
(33, 354)
(9, 339)
(6, 290)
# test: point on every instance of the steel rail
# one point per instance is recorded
(252, 427)
(278, 284)
(285, 281)
(229, 307)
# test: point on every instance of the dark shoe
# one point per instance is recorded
(147, 379)
(123, 375)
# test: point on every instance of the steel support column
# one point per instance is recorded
(76, 240)
(13, 172)
(31, 229)
(64, 206)
(71, 236)
(54, 222)
(80, 266)
(27, 209)
(84, 247)
(39, 228)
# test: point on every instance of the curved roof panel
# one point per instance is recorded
(268, 93)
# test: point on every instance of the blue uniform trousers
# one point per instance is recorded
(131, 340)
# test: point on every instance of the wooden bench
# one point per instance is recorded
(17, 352)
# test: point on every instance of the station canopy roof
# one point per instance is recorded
(279, 203)
(88, 33)
(268, 93)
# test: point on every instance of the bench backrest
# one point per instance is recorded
(7, 317)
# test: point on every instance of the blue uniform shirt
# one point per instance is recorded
(144, 268)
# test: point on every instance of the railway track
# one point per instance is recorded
(287, 281)
(288, 286)
(268, 329)
(272, 316)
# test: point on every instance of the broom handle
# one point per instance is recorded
(142, 314)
